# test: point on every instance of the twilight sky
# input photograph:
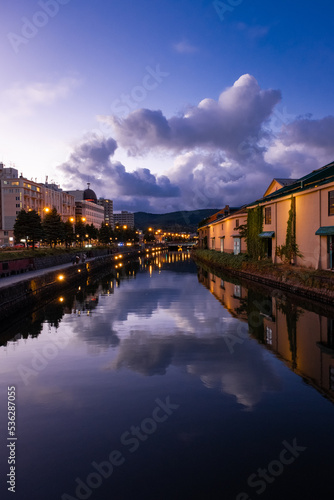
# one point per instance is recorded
(168, 104)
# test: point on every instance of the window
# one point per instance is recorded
(222, 226)
(269, 336)
(237, 246)
(267, 215)
(237, 291)
(331, 377)
(5, 233)
(237, 223)
(17, 205)
(331, 203)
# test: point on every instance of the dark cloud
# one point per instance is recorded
(311, 132)
(91, 162)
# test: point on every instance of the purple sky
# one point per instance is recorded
(167, 105)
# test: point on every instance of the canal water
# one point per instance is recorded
(161, 380)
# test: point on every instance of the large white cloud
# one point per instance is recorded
(238, 116)
(226, 151)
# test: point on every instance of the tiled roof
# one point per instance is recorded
(285, 182)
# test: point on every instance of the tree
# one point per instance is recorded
(80, 231)
(149, 235)
(28, 226)
(105, 234)
(53, 228)
(92, 232)
(125, 233)
(68, 233)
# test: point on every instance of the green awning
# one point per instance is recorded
(325, 231)
(267, 234)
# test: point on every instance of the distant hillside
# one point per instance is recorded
(174, 221)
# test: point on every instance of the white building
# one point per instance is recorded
(87, 209)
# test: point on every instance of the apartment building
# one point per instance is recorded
(108, 210)
(18, 193)
(124, 218)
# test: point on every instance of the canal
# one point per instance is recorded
(162, 380)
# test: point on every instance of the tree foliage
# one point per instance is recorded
(68, 233)
(251, 230)
(105, 234)
(28, 225)
(290, 249)
(124, 233)
(53, 227)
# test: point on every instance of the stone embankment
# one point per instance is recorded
(29, 290)
(308, 283)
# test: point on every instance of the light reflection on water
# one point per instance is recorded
(92, 365)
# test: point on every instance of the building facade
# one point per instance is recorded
(18, 193)
(308, 203)
(55, 197)
(87, 210)
(108, 211)
(221, 231)
(124, 218)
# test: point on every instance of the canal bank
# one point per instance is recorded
(308, 283)
(27, 291)
(95, 367)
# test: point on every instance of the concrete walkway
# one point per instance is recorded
(16, 278)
